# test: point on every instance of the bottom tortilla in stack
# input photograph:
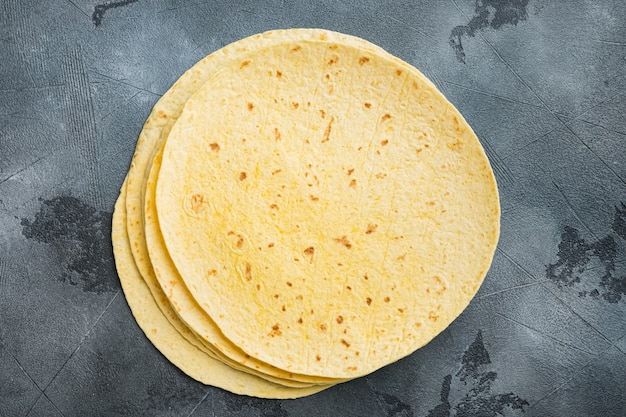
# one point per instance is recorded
(312, 218)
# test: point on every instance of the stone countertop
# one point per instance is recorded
(542, 84)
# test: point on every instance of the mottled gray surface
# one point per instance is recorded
(542, 83)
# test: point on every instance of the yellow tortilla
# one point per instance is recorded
(169, 341)
(153, 135)
(328, 209)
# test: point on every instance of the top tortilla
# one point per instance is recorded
(326, 206)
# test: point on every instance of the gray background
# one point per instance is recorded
(541, 82)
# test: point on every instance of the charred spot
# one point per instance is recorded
(368, 301)
(384, 142)
(345, 343)
(385, 117)
(386, 299)
(250, 106)
(363, 60)
(367, 105)
(214, 147)
(242, 176)
(339, 319)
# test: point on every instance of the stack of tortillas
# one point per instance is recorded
(302, 209)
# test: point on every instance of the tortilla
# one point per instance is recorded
(169, 341)
(153, 135)
(328, 209)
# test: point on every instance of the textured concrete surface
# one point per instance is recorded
(542, 83)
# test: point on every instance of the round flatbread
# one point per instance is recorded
(328, 209)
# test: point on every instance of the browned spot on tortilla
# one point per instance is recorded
(384, 142)
(161, 114)
(248, 272)
(275, 331)
(274, 207)
(310, 251)
(279, 74)
(401, 257)
(244, 64)
(276, 296)
(344, 241)
(352, 368)
(295, 105)
(368, 301)
(276, 171)
(326, 136)
(197, 200)
(371, 228)
(212, 272)
(296, 48)
(333, 60)
(270, 245)
(352, 184)
(313, 198)
(367, 105)
(318, 358)
(363, 60)
(365, 277)
(401, 310)
(349, 288)
(277, 134)
(350, 171)
(385, 117)
(250, 106)
(214, 147)
(398, 72)
(283, 308)
(387, 299)
(345, 343)
(323, 327)
(242, 176)
(339, 319)
(299, 320)
(433, 316)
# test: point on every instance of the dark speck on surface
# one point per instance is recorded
(477, 382)
(100, 9)
(82, 235)
(576, 256)
(488, 14)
